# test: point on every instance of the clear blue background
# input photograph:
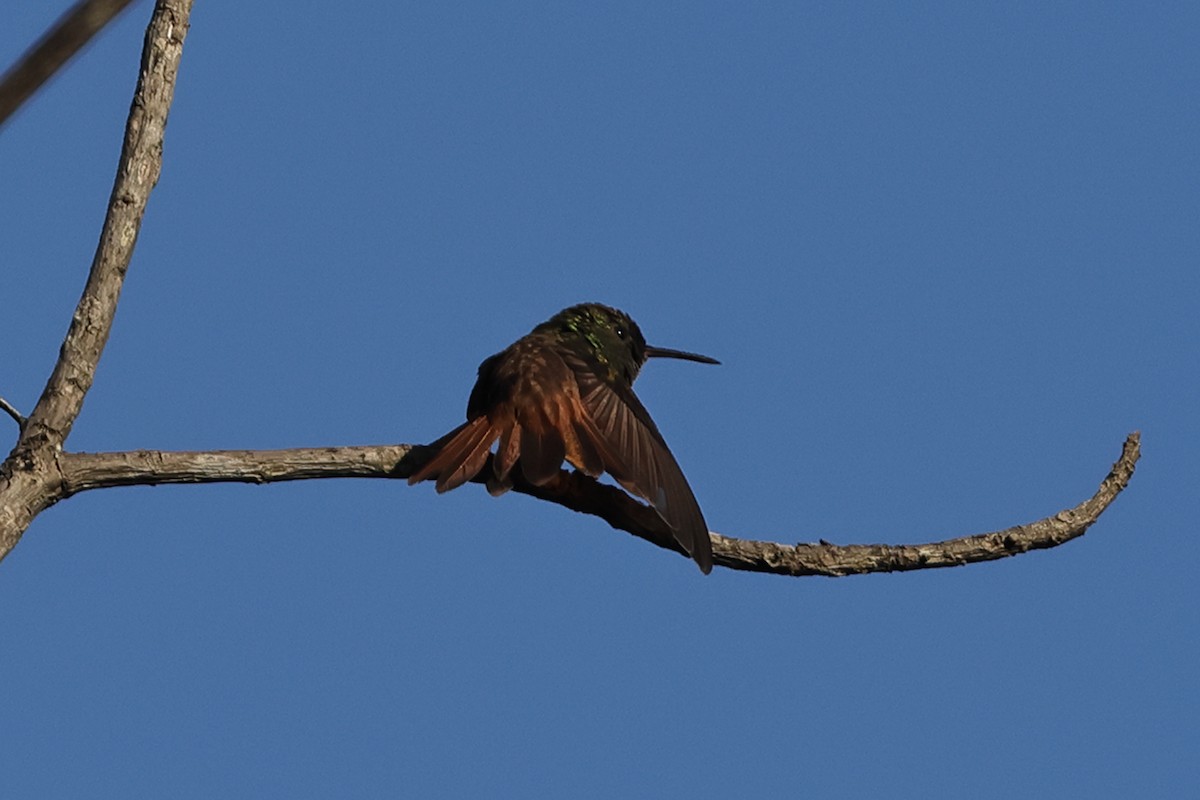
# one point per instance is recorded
(947, 252)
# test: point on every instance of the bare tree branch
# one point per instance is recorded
(29, 478)
(72, 31)
(834, 561)
(137, 173)
(84, 471)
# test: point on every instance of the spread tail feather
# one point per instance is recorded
(461, 454)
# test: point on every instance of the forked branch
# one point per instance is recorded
(29, 480)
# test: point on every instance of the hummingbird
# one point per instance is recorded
(564, 391)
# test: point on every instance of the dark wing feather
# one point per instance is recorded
(509, 450)
(636, 455)
(542, 448)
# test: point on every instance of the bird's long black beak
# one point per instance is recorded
(666, 352)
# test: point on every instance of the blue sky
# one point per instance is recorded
(947, 253)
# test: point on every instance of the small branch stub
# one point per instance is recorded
(7, 408)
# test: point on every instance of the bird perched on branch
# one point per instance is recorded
(565, 392)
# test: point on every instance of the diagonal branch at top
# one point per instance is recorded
(72, 31)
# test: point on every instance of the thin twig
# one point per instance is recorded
(85, 471)
(56, 47)
(7, 408)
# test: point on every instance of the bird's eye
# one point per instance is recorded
(620, 332)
